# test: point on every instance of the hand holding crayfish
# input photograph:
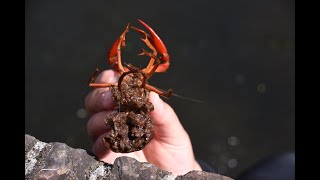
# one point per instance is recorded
(170, 149)
(128, 115)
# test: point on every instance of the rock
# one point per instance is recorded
(202, 175)
(58, 161)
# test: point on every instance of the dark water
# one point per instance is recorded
(237, 56)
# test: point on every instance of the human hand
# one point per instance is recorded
(170, 149)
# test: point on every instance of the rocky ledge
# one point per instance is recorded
(59, 161)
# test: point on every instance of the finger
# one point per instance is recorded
(107, 76)
(101, 151)
(101, 98)
(105, 154)
(96, 124)
(166, 123)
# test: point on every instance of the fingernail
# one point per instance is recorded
(107, 100)
(154, 97)
(113, 79)
(100, 149)
(97, 148)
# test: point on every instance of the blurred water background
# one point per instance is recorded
(237, 56)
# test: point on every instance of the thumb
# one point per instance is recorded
(167, 127)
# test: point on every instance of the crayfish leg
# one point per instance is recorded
(98, 85)
(161, 93)
(101, 85)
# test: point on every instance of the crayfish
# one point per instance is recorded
(131, 126)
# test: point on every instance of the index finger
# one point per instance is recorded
(100, 99)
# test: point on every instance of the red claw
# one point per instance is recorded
(159, 59)
(160, 47)
(114, 53)
(156, 41)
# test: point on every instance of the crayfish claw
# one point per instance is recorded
(144, 52)
(114, 54)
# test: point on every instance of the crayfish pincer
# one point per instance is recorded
(132, 126)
